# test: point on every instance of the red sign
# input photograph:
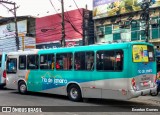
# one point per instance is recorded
(54, 21)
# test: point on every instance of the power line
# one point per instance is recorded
(51, 25)
(74, 25)
(78, 8)
(65, 17)
(42, 35)
(54, 23)
(70, 21)
(7, 8)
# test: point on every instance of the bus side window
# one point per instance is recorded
(47, 61)
(32, 62)
(100, 61)
(22, 62)
(119, 60)
(43, 62)
(77, 64)
(50, 61)
(12, 65)
(64, 61)
(110, 60)
(57, 65)
(84, 60)
(90, 61)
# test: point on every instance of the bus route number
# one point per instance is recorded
(145, 71)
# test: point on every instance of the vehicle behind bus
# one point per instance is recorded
(2, 69)
(111, 71)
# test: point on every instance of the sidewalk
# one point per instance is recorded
(154, 100)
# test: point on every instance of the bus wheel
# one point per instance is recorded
(74, 93)
(154, 94)
(22, 88)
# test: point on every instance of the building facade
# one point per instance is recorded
(121, 20)
(79, 29)
(26, 33)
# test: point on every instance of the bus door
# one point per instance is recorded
(11, 69)
(22, 71)
(32, 76)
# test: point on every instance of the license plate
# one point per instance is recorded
(144, 83)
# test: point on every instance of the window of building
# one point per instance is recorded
(142, 25)
(142, 33)
(155, 33)
(154, 22)
(84, 61)
(47, 61)
(22, 62)
(32, 62)
(135, 35)
(109, 60)
(116, 36)
(116, 28)
(64, 61)
(100, 31)
(108, 29)
(135, 25)
(154, 28)
(127, 25)
(151, 54)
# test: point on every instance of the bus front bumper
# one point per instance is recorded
(135, 93)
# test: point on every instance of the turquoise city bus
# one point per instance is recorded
(110, 71)
(2, 69)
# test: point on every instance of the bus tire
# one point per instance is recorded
(22, 88)
(74, 93)
(154, 94)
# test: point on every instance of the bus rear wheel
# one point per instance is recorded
(74, 93)
(22, 88)
(154, 94)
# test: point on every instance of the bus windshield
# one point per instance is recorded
(143, 53)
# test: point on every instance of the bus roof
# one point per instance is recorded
(80, 48)
(91, 47)
(33, 51)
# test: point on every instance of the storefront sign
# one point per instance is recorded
(106, 8)
(8, 30)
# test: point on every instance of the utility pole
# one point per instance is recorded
(16, 28)
(15, 20)
(63, 43)
(145, 17)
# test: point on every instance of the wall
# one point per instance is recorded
(53, 24)
(7, 36)
(126, 28)
(108, 8)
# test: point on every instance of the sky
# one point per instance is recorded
(40, 8)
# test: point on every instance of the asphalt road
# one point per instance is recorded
(58, 103)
